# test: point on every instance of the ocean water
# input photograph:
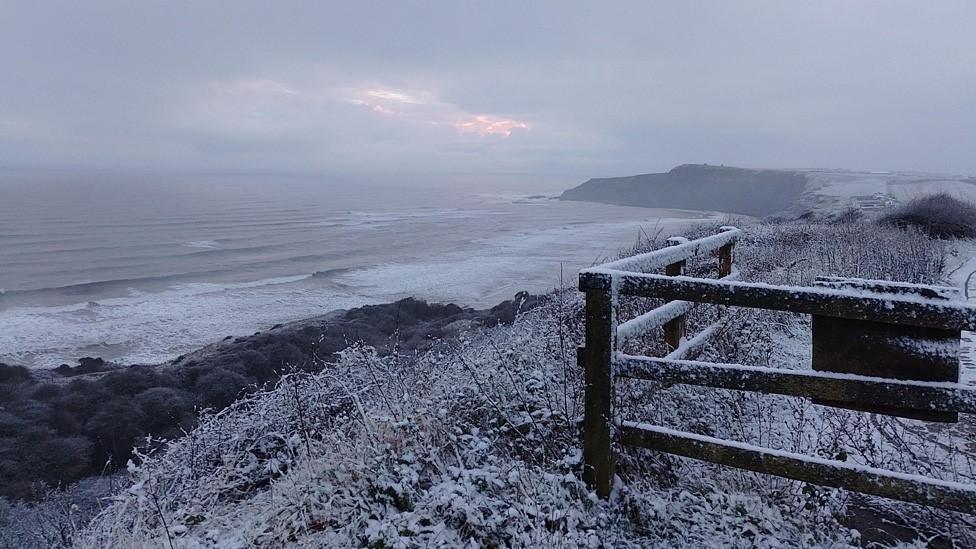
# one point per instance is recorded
(140, 268)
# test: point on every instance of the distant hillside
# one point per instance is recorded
(699, 187)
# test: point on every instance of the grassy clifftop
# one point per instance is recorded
(699, 187)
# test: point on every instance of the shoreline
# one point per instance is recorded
(97, 408)
(149, 325)
(434, 317)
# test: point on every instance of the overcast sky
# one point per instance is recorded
(594, 88)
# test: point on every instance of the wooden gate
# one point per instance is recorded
(603, 363)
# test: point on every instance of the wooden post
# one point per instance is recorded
(597, 413)
(725, 257)
(674, 329)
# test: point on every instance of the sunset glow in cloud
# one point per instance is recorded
(489, 125)
(424, 107)
(433, 86)
(267, 107)
(390, 95)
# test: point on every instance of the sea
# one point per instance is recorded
(139, 268)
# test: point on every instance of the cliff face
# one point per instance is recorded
(698, 187)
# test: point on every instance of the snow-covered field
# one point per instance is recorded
(840, 189)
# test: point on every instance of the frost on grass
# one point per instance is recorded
(473, 444)
(477, 444)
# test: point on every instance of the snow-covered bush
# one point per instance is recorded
(473, 444)
(795, 253)
(476, 442)
(938, 215)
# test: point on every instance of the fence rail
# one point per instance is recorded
(933, 395)
(838, 474)
(922, 308)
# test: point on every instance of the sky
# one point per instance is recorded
(562, 87)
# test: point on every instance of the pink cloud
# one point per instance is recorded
(270, 106)
(485, 125)
(424, 107)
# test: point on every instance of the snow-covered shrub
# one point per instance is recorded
(795, 253)
(475, 443)
(938, 215)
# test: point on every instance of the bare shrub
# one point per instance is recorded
(937, 215)
(476, 442)
(795, 253)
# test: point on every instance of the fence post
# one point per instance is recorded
(597, 413)
(725, 256)
(674, 329)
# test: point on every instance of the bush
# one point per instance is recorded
(165, 409)
(130, 381)
(13, 374)
(114, 429)
(219, 387)
(850, 215)
(937, 215)
(47, 391)
(86, 365)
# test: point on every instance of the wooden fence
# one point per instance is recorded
(603, 363)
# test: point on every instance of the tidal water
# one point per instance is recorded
(140, 268)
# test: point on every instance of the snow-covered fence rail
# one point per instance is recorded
(876, 303)
(603, 334)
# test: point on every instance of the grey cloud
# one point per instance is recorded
(583, 88)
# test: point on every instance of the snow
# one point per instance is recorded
(695, 342)
(652, 319)
(658, 259)
(921, 346)
(472, 446)
(905, 191)
(945, 292)
(966, 310)
(659, 316)
(841, 188)
(481, 440)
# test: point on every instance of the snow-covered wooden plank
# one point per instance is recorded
(925, 395)
(860, 305)
(658, 259)
(689, 346)
(658, 316)
(949, 495)
(654, 318)
(889, 287)
(884, 350)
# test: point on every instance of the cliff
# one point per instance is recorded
(698, 187)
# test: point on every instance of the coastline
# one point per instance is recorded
(146, 325)
(99, 407)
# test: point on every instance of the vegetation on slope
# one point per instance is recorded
(56, 430)
(477, 442)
